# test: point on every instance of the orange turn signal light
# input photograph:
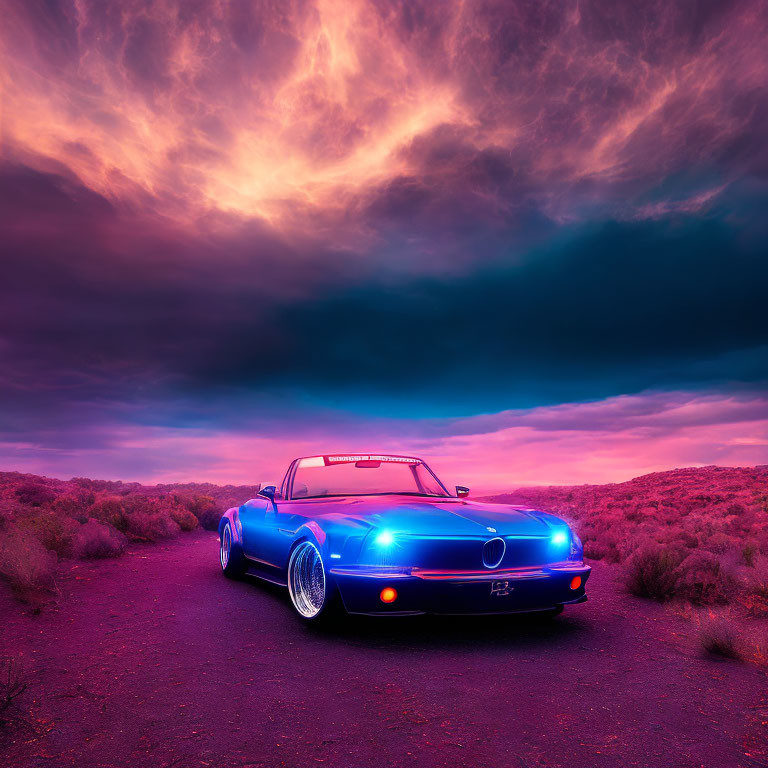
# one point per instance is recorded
(575, 582)
(388, 595)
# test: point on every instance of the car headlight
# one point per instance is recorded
(384, 539)
(559, 538)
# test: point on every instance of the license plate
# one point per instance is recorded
(500, 588)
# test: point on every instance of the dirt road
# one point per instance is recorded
(157, 660)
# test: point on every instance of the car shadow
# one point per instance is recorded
(520, 631)
(454, 632)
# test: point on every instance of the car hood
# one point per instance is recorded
(449, 517)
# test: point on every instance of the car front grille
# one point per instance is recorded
(493, 552)
(462, 553)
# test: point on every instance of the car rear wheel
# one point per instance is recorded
(313, 595)
(230, 556)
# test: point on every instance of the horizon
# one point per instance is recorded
(526, 241)
(481, 492)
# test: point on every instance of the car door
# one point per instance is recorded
(252, 516)
(281, 521)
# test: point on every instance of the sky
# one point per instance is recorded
(527, 241)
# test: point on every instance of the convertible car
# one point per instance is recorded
(381, 535)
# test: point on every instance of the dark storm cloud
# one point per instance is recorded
(601, 310)
(620, 307)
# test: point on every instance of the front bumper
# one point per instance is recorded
(460, 592)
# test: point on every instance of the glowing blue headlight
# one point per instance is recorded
(559, 538)
(385, 539)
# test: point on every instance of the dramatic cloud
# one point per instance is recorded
(307, 221)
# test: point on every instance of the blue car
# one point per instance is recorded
(381, 535)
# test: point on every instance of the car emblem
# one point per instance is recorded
(500, 588)
(492, 530)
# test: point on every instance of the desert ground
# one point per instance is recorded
(155, 659)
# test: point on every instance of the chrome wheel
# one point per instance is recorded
(226, 547)
(306, 580)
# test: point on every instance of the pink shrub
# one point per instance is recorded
(96, 540)
(146, 525)
(27, 565)
(651, 571)
(52, 530)
(753, 594)
(9, 511)
(721, 542)
(701, 580)
(34, 494)
(73, 506)
(183, 517)
(603, 547)
(110, 510)
(719, 635)
(210, 518)
(595, 549)
(749, 553)
(207, 511)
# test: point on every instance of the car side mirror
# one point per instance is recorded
(268, 491)
(462, 491)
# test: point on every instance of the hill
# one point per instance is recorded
(717, 508)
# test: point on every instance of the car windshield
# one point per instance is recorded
(363, 475)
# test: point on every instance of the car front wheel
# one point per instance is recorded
(312, 594)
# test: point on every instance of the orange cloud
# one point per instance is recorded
(282, 112)
(210, 131)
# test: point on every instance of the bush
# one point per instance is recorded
(9, 511)
(749, 553)
(651, 571)
(110, 511)
(722, 542)
(72, 506)
(183, 518)
(719, 636)
(152, 526)
(35, 494)
(27, 565)
(607, 545)
(96, 540)
(205, 509)
(701, 580)
(754, 589)
(209, 519)
(53, 531)
(594, 549)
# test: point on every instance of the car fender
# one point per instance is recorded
(231, 515)
(309, 531)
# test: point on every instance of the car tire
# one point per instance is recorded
(313, 593)
(230, 553)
